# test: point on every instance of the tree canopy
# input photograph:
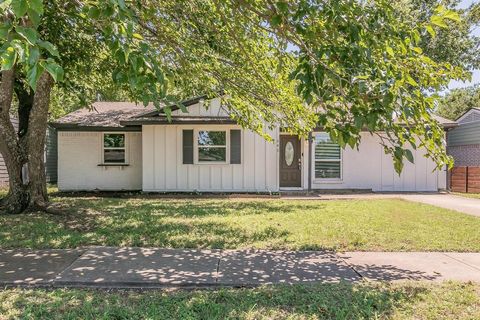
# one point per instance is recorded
(345, 65)
(458, 101)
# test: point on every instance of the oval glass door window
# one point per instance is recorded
(289, 153)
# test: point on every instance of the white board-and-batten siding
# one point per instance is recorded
(164, 171)
(79, 156)
(370, 168)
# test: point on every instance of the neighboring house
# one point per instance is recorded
(122, 146)
(50, 157)
(463, 142)
(3, 168)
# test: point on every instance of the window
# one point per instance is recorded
(212, 146)
(328, 158)
(114, 148)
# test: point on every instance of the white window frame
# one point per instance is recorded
(197, 146)
(314, 160)
(124, 148)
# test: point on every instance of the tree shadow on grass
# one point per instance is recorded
(143, 230)
(323, 301)
(195, 208)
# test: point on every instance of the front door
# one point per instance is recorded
(290, 161)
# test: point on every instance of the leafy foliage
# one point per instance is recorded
(342, 65)
(450, 42)
(458, 101)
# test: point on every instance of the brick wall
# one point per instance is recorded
(467, 155)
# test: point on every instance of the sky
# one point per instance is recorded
(475, 73)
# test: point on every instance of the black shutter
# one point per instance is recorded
(235, 147)
(187, 146)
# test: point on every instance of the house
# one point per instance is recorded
(3, 168)
(123, 146)
(50, 157)
(464, 140)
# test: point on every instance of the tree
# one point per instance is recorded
(40, 41)
(458, 101)
(454, 42)
(344, 65)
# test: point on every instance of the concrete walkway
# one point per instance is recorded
(109, 267)
(443, 200)
(448, 201)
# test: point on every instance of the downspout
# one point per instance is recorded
(309, 161)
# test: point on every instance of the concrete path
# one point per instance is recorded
(109, 267)
(444, 200)
(462, 204)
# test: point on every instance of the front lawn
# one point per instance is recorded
(410, 300)
(378, 225)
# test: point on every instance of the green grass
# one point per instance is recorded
(328, 301)
(378, 225)
(468, 195)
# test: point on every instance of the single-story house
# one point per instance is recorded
(464, 140)
(123, 146)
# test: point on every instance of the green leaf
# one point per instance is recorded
(4, 30)
(9, 57)
(4, 5)
(33, 55)
(121, 4)
(19, 7)
(137, 36)
(409, 155)
(411, 81)
(55, 70)
(430, 30)
(390, 51)
(33, 74)
(94, 13)
(49, 47)
(36, 5)
(276, 20)
(28, 34)
(34, 17)
(418, 50)
(438, 21)
(452, 15)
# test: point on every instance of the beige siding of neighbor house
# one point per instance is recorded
(79, 156)
(163, 168)
(370, 168)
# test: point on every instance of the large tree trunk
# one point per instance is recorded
(36, 132)
(25, 150)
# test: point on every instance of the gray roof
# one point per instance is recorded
(103, 114)
(446, 123)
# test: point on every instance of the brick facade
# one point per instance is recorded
(467, 155)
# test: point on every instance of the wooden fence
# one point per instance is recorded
(465, 179)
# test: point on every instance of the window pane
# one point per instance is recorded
(325, 148)
(327, 169)
(212, 154)
(114, 140)
(212, 138)
(114, 156)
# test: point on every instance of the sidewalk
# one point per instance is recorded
(109, 267)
